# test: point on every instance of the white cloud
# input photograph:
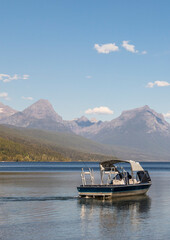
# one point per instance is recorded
(28, 98)
(94, 120)
(8, 78)
(4, 95)
(99, 110)
(158, 84)
(2, 76)
(88, 77)
(129, 47)
(167, 115)
(25, 76)
(144, 52)
(111, 47)
(106, 48)
(150, 85)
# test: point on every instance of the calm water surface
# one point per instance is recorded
(39, 202)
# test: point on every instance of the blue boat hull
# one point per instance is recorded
(113, 191)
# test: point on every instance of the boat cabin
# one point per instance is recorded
(112, 173)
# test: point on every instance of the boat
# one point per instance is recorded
(117, 180)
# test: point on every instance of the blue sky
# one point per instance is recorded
(94, 58)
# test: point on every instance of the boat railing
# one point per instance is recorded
(90, 172)
(109, 174)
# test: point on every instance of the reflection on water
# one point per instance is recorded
(137, 204)
(45, 205)
(115, 216)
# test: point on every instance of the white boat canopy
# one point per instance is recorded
(135, 166)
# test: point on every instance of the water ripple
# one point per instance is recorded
(44, 198)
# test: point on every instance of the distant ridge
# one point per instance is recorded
(39, 115)
(140, 130)
(85, 122)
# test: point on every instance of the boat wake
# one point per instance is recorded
(44, 198)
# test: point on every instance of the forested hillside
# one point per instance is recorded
(31, 145)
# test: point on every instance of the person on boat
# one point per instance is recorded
(128, 177)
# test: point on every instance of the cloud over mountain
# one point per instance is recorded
(99, 110)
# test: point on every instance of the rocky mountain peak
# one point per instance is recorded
(82, 119)
(83, 122)
(128, 114)
(42, 109)
(143, 117)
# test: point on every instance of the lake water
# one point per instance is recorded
(38, 201)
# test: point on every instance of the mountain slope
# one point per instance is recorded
(42, 109)
(72, 146)
(141, 128)
(52, 146)
(39, 115)
(6, 111)
(140, 132)
(84, 122)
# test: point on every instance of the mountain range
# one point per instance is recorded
(137, 133)
(6, 111)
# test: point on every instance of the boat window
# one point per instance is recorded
(143, 176)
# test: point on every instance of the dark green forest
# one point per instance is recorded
(26, 151)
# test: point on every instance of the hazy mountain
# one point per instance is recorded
(6, 111)
(39, 115)
(85, 122)
(138, 132)
(141, 128)
(42, 109)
